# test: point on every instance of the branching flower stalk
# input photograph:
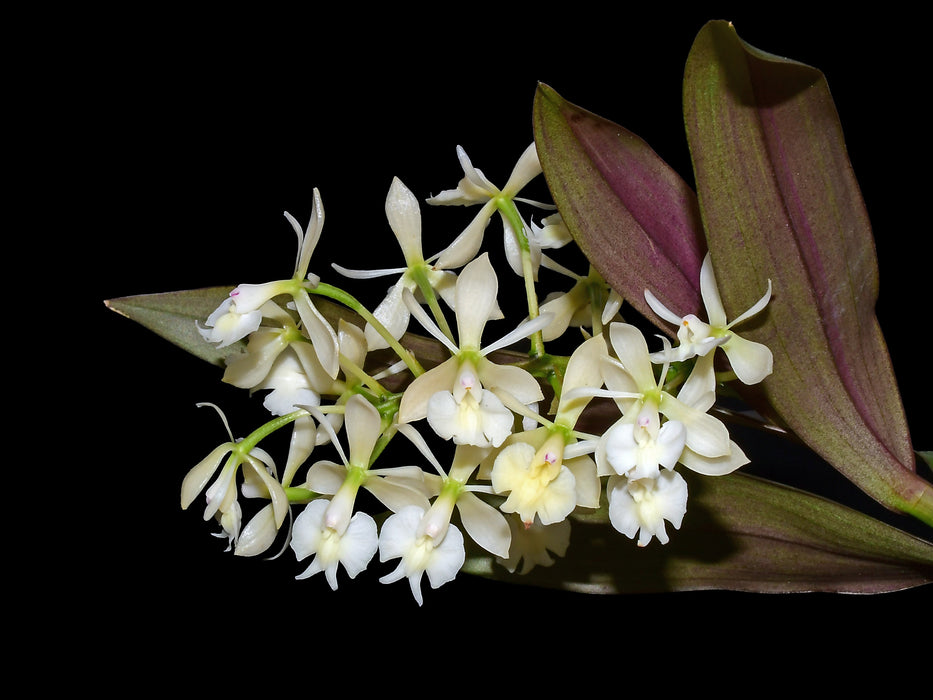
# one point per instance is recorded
(510, 213)
(350, 302)
(513, 445)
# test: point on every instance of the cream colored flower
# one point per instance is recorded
(221, 496)
(750, 361)
(546, 472)
(462, 398)
(241, 313)
(476, 188)
(641, 506)
(404, 216)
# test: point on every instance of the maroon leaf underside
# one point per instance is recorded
(780, 201)
(634, 217)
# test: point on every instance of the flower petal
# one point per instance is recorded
(322, 335)
(326, 477)
(526, 169)
(396, 494)
(484, 524)
(632, 350)
(311, 236)
(750, 361)
(414, 404)
(393, 314)
(196, 479)
(706, 434)
(259, 533)
(363, 426)
(715, 313)
(447, 558)
(359, 543)
(477, 288)
(518, 382)
(246, 370)
(465, 246)
(586, 480)
(404, 217)
(584, 369)
(714, 466)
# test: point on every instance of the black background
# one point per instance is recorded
(209, 126)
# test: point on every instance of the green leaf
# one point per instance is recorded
(740, 533)
(633, 216)
(174, 316)
(780, 201)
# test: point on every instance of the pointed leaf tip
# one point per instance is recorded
(634, 217)
(174, 316)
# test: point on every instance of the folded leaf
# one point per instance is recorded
(633, 216)
(741, 533)
(779, 201)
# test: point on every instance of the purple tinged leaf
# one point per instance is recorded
(633, 216)
(741, 533)
(779, 201)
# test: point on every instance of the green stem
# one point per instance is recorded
(508, 209)
(427, 291)
(250, 441)
(352, 368)
(299, 495)
(349, 301)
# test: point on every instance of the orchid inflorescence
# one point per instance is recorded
(507, 461)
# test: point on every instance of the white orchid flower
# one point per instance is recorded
(546, 472)
(699, 392)
(424, 540)
(483, 523)
(404, 216)
(640, 449)
(240, 314)
(227, 324)
(326, 530)
(363, 427)
(329, 529)
(475, 188)
(532, 472)
(406, 536)
(462, 398)
(221, 495)
(553, 233)
(282, 360)
(641, 506)
(631, 381)
(750, 361)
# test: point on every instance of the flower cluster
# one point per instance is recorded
(502, 463)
